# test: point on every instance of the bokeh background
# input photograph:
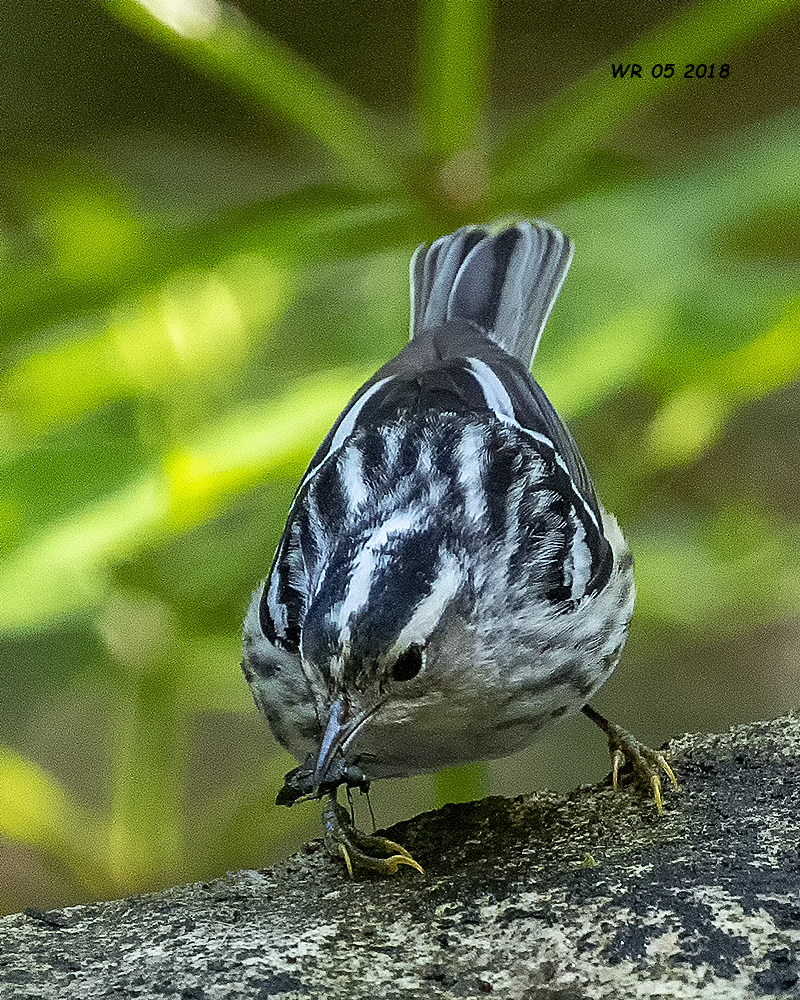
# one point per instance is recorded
(206, 214)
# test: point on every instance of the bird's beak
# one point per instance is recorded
(342, 725)
(331, 741)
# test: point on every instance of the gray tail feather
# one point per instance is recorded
(505, 282)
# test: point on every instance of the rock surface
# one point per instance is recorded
(590, 896)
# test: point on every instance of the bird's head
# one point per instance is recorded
(376, 643)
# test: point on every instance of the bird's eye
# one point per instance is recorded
(408, 664)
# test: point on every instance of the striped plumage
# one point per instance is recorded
(447, 582)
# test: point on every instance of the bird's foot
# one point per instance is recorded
(360, 851)
(625, 747)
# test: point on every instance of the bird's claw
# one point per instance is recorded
(646, 762)
(361, 851)
(624, 747)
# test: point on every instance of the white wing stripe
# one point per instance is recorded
(494, 392)
(343, 432)
(581, 559)
(499, 402)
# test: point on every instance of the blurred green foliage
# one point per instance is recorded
(166, 380)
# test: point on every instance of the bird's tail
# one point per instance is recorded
(505, 282)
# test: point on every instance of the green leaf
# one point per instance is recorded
(724, 573)
(305, 226)
(550, 143)
(194, 325)
(64, 569)
(454, 48)
(219, 42)
(692, 418)
(649, 300)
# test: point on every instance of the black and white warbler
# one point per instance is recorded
(447, 582)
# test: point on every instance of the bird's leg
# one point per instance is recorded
(360, 851)
(623, 746)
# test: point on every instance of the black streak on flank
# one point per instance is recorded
(330, 498)
(499, 476)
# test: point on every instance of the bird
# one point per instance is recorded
(447, 583)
